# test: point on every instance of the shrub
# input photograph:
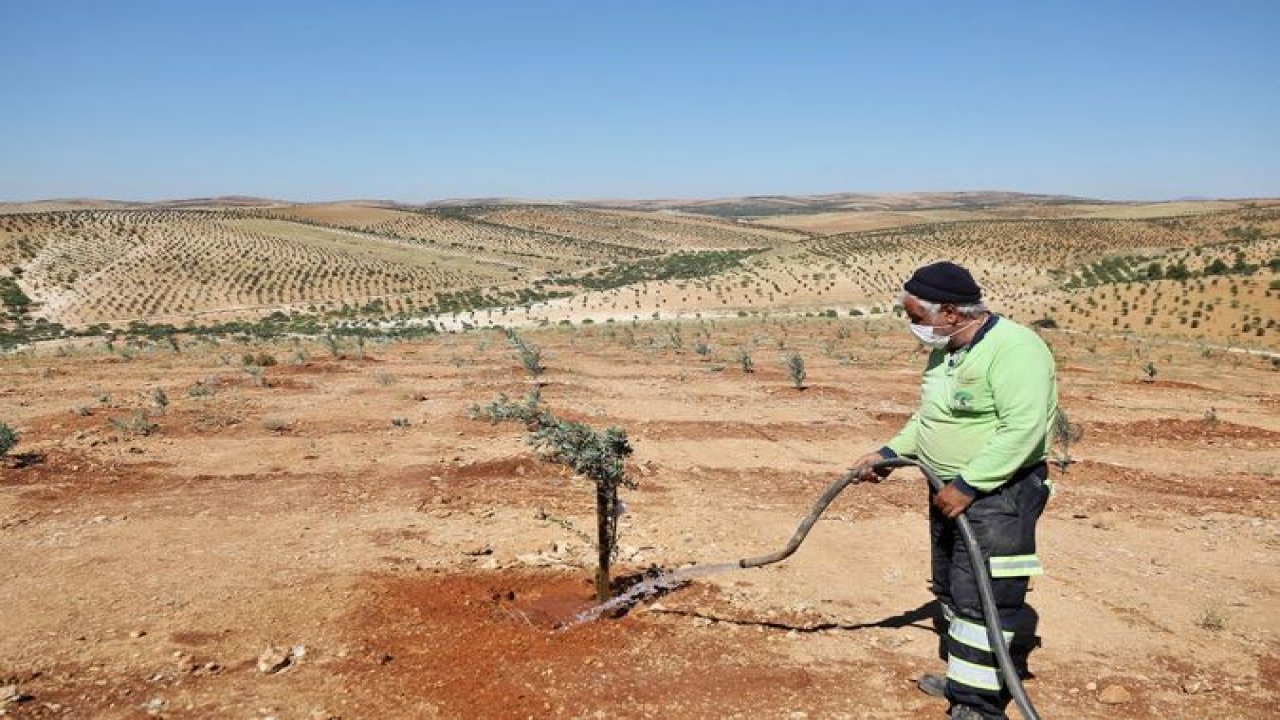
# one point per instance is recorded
(160, 399)
(744, 359)
(8, 439)
(136, 424)
(795, 370)
(1064, 434)
(256, 375)
(529, 355)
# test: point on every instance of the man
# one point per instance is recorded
(987, 402)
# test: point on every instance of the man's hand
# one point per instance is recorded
(951, 502)
(862, 467)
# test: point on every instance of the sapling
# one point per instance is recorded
(530, 355)
(599, 455)
(8, 439)
(795, 369)
(1065, 433)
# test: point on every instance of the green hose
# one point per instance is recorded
(989, 613)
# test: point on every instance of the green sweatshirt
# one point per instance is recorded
(985, 409)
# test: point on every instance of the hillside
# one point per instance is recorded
(1204, 271)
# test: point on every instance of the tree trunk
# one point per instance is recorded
(604, 540)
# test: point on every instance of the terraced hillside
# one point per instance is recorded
(83, 267)
(1085, 274)
(1204, 273)
(120, 265)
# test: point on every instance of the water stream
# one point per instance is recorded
(669, 580)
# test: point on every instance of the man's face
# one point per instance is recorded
(945, 317)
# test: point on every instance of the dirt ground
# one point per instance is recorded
(341, 540)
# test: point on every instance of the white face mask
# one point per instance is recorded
(924, 333)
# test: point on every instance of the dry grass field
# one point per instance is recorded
(177, 524)
(248, 482)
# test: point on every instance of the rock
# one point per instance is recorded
(478, 550)
(1114, 695)
(1196, 686)
(1091, 686)
(273, 660)
(11, 693)
(137, 634)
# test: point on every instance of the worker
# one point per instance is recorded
(987, 402)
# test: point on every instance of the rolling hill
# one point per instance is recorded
(1196, 270)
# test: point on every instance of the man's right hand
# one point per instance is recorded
(862, 467)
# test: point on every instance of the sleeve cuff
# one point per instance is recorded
(887, 453)
(964, 487)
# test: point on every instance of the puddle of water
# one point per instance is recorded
(669, 580)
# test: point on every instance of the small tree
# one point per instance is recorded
(160, 399)
(744, 358)
(530, 355)
(795, 369)
(8, 439)
(1150, 371)
(599, 455)
(1064, 434)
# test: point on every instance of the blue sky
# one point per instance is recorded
(417, 101)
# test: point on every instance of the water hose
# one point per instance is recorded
(989, 613)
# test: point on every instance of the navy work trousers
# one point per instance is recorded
(1004, 525)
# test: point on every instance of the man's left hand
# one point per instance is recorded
(951, 502)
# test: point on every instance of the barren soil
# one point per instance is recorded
(423, 568)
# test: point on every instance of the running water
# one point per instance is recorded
(649, 587)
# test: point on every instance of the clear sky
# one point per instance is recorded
(417, 101)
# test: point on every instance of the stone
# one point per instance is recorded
(273, 660)
(11, 693)
(1114, 695)
(478, 550)
(1196, 686)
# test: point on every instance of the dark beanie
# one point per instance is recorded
(944, 282)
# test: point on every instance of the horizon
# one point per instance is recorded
(145, 101)
(590, 200)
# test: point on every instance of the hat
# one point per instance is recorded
(943, 282)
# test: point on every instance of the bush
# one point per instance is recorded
(136, 424)
(8, 439)
(795, 369)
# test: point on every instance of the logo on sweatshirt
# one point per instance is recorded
(963, 399)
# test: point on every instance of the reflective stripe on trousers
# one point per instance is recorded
(970, 660)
